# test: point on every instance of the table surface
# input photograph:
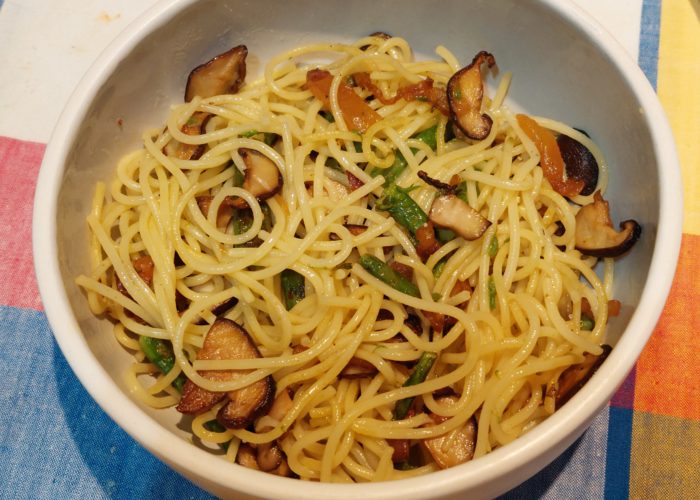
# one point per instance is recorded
(55, 442)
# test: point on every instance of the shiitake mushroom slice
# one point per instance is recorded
(579, 162)
(224, 74)
(228, 340)
(465, 92)
(451, 212)
(573, 378)
(262, 177)
(595, 234)
(462, 441)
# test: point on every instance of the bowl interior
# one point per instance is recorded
(560, 71)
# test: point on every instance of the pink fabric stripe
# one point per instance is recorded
(19, 167)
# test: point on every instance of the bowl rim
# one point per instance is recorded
(562, 427)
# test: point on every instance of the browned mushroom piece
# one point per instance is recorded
(194, 126)
(223, 216)
(269, 456)
(358, 368)
(378, 34)
(573, 378)
(451, 212)
(224, 74)
(580, 164)
(465, 92)
(247, 457)
(462, 441)
(595, 234)
(262, 177)
(228, 340)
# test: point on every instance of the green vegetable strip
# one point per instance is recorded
(461, 191)
(386, 274)
(444, 235)
(215, 426)
(492, 294)
(418, 375)
(402, 208)
(428, 136)
(292, 288)
(160, 353)
(492, 249)
(391, 173)
(439, 267)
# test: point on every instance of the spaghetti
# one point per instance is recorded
(493, 322)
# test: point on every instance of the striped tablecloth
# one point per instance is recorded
(55, 442)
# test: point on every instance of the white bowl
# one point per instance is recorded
(565, 66)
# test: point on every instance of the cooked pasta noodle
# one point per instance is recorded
(518, 289)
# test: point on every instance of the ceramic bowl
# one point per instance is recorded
(564, 65)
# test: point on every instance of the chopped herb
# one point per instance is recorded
(492, 293)
(250, 133)
(493, 247)
(586, 323)
(436, 296)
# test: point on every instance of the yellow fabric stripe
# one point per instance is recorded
(679, 91)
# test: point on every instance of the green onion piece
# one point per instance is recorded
(386, 274)
(270, 138)
(439, 267)
(402, 208)
(418, 375)
(160, 353)
(293, 290)
(492, 249)
(428, 136)
(250, 133)
(391, 173)
(586, 323)
(215, 426)
(492, 293)
(461, 191)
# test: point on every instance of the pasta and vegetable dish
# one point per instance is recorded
(360, 270)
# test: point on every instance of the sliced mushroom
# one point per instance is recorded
(579, 162)
(573, 378)
(228, 340)
(358, 368)
(247, 457)
(269, 456)
(378, 34)
(194, 126)
(595, 234)
(224, 74)
(462, 441)
(262, 177)
(453, 213)
(465, 92)
(223, 216)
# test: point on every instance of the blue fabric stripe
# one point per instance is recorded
(617, 470)
(649, 39)
(577, 473)
(55, 442)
